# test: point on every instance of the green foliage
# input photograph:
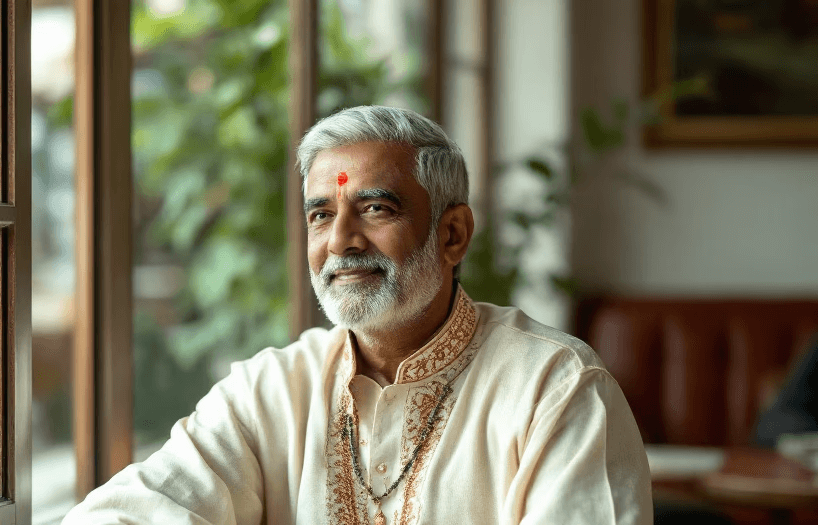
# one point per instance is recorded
(210, 140)
(540, 167)
(166, 390)
(481, 275)
(210, 147)
(61, 114)
(210, 144)
(599, 135)
(565, 284)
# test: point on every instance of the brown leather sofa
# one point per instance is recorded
(697, 371)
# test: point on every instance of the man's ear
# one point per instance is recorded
(454, 231)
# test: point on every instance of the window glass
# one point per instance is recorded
(52, 285)
(211, 143)
(372, 52)
(210, 148)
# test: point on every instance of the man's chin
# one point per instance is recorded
(357, 290)
(361, 323)
(355, 313)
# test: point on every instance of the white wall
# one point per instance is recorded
(738, 222)
(531, 110)
(532, 76)
(462, 91)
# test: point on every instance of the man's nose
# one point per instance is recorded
(346, 236)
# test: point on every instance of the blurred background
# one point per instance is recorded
(582, 222)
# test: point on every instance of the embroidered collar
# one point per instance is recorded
(436, 355)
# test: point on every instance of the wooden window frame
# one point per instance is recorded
(303, 63)
(15, 222)
(103, 357)
(436, 53)
(486, 114)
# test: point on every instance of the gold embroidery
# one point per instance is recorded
(443, 349)
(346, 502)
(419, 404)
(443, 357)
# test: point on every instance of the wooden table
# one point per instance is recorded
(763, 479)
(734, 477)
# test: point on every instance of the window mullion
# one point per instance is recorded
(303, 62)
(436, 57)
(486, 104)
(103, 374)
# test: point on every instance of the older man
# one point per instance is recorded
(420, 406)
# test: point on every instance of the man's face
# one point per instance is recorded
(373, 252)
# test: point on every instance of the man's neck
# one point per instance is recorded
(379, 353)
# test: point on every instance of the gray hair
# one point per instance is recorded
(439, 165)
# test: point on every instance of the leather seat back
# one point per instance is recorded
(693, 370)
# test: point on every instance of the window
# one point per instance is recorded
(15, 265)
(194, 208)
(53, 265)
(182, 262)
(211, 140)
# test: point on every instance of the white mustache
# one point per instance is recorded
(371, 262)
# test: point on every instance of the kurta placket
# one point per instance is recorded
(390, 419)
(380, 413)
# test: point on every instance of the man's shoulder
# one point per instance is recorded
(305, 356)
(516, 340)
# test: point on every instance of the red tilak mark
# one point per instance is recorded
(342, 178)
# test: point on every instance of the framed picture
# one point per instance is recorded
(758, 61)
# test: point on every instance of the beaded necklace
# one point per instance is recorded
(349, 432)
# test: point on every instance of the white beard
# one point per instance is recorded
(397, 298)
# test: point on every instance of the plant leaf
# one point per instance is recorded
(540, 167)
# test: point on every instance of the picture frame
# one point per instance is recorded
(757, 64)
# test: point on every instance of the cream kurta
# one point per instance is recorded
(534, 431)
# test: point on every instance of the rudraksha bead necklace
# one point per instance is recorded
(349, 432)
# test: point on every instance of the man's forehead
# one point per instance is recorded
(374, 164)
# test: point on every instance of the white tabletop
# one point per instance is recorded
(678, 462)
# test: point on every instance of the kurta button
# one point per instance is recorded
(381, 468)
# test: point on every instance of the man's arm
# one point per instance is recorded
(583, 460)
(206, 473)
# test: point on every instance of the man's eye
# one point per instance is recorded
(318, 216)
(376, 208)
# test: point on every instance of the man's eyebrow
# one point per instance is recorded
(378, 193)
(316, 202)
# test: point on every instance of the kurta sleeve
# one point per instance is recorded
(582, 460)
(206, 473)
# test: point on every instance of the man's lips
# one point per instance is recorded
(345, 276)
